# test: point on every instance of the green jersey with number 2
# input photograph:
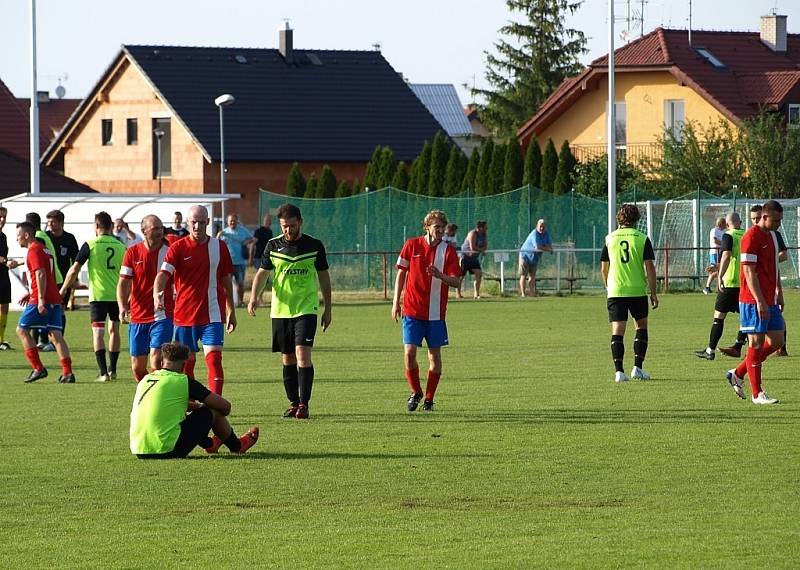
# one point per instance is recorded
(105, 259)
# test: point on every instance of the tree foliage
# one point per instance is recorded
(532, 58)
(497, 169)
(549, 167)
(566, 168)
(770, 150)
(440, 150)
(591, 178)
(326, 188)
(311, 186)
(483, 177)
(295, 183)
(400, 179)
(533, 164)
(512, 175)
(468, 182)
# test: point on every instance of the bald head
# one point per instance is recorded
(197, 222)
(733, 220)
(153, 231)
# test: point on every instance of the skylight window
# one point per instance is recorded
(240, 58)
(710, 58)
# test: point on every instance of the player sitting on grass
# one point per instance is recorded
(160, 426)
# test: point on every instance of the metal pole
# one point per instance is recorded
(612, 120)
(158, 144)
(34, 109)
(221, 164)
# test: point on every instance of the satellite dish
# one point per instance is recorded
(60, 91)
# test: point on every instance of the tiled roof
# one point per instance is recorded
(14, 134)
(53, 114)
(15, 174)
(442, 101)
(325, 105)
(752, 75)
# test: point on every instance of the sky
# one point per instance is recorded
(428, 41)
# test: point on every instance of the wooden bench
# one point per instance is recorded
(570, 280)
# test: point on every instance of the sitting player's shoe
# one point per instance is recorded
(48, 347)
(413, 402)
(5, 346)
(704, 354)
(248, 440)
(102, 378)
(214, 447)
(290, 412)
(66, 378)
(639, 374)
(735, 382)
(36, 375)
(427, 406)
(762, 398)
(734, 351)
(620, 377)
(706, 290)
(302, 412)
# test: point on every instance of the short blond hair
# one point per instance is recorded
(434, 216)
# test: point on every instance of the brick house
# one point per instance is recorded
(314, 107)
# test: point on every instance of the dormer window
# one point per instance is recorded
(794, 116)
(710, 57)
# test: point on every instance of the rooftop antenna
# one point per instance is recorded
(61, 90)
(376, 46)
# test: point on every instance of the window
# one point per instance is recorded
(794, 116)
(621, 125)
(162, 148)
(107, 129)
(710, 58)
(674, 118)
(133, 131)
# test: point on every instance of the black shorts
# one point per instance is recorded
(194, 432)
(292, 332)
(619, 307)
(5, 288)
(727, 300)
(99, 310)
(470, 264)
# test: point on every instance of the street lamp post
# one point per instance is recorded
(222, 101)
(159, 134)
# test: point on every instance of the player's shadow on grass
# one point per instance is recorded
(333, 455)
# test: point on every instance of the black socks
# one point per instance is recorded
(290, 383)
(100, 356)
(306, 378)
(617, 351)
(716, 333)
(639, 347)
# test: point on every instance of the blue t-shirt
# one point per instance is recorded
(234, 239)
(531, 248)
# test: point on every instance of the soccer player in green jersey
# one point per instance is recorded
(104, 255)
(628, 272)
(727, 284)
(299, 263)
(160, 426)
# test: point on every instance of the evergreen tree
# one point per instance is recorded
(533, 165)
(483, 177)
(344, 189)
(453, 174)
(400, 180)
(412, 177)
(497, 168)
(311, 186)
(295, 183)
(468, 182)
(512, 176)
(327, 183)
(386, 168)
(423, 169)
(373, 168)
(566, 167)
(540, 54)
(549, 167)
(439, 156)
(357, 187)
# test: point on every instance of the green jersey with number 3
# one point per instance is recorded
(626, 274)
(105, 260)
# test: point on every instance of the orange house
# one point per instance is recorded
(151, 124)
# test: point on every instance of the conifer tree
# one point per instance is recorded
(483, 177)
(344, 189)
(400, 180)
(512, 175)
(311, 186)
(386, 168)
(326, 188)
(373, 168)
(423, 169)
(453, 174)
(295, 183)
(549, 167)
(439, 154)
(412, 177)
(497, 168)
(533, 164)
(566, 167)
(468, 183)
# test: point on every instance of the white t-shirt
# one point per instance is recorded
(715, 234)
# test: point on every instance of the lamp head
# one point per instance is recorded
(159, 133)
(224, 100)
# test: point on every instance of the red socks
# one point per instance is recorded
(753, 362)
(430, 387)
(215, 374)
(32, 354)
(66, 365)
(412, 377)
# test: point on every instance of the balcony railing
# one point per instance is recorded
(635, 153)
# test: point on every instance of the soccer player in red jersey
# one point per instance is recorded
(201, 267)
(43, 308)
(427, 266)
(760, 301)
(148, 329)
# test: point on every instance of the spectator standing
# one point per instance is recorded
(475, 245)
(537, 242)
(124, 234)
(237, 238)
(177, 230)
(262, 235)
(714, 244)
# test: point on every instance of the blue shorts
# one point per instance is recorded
(52, 320)
(212, 334)
(751, 323)
(145, 336)
(238, 274)
(434, 332)
(713, 258)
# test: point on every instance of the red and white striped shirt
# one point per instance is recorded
(760, 249)
(426, 296)
(142, 265)
(198, 270)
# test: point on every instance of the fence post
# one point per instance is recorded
(558, 270)
(385, 279)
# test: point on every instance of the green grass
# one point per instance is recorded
(533, 458)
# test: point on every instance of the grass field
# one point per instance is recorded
(534, 457)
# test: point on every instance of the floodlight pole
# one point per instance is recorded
(34, 108)
(612, 120)
(221, 102)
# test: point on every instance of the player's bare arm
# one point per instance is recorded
(159, 286)
(724, 262)
(604, 265)
(755, 288)
(449, 280)
(259, 281)
(650, 271)
(41, 283)
(399, 284)
(325, 286)
(124, 287)
(70, 278)
(230, 308)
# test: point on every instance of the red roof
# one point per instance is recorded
(752, 75)
(14, 134)
(53, 114)
(15, 173)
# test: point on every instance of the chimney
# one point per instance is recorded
(773, 32)
(42, 96)
(287, 44)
